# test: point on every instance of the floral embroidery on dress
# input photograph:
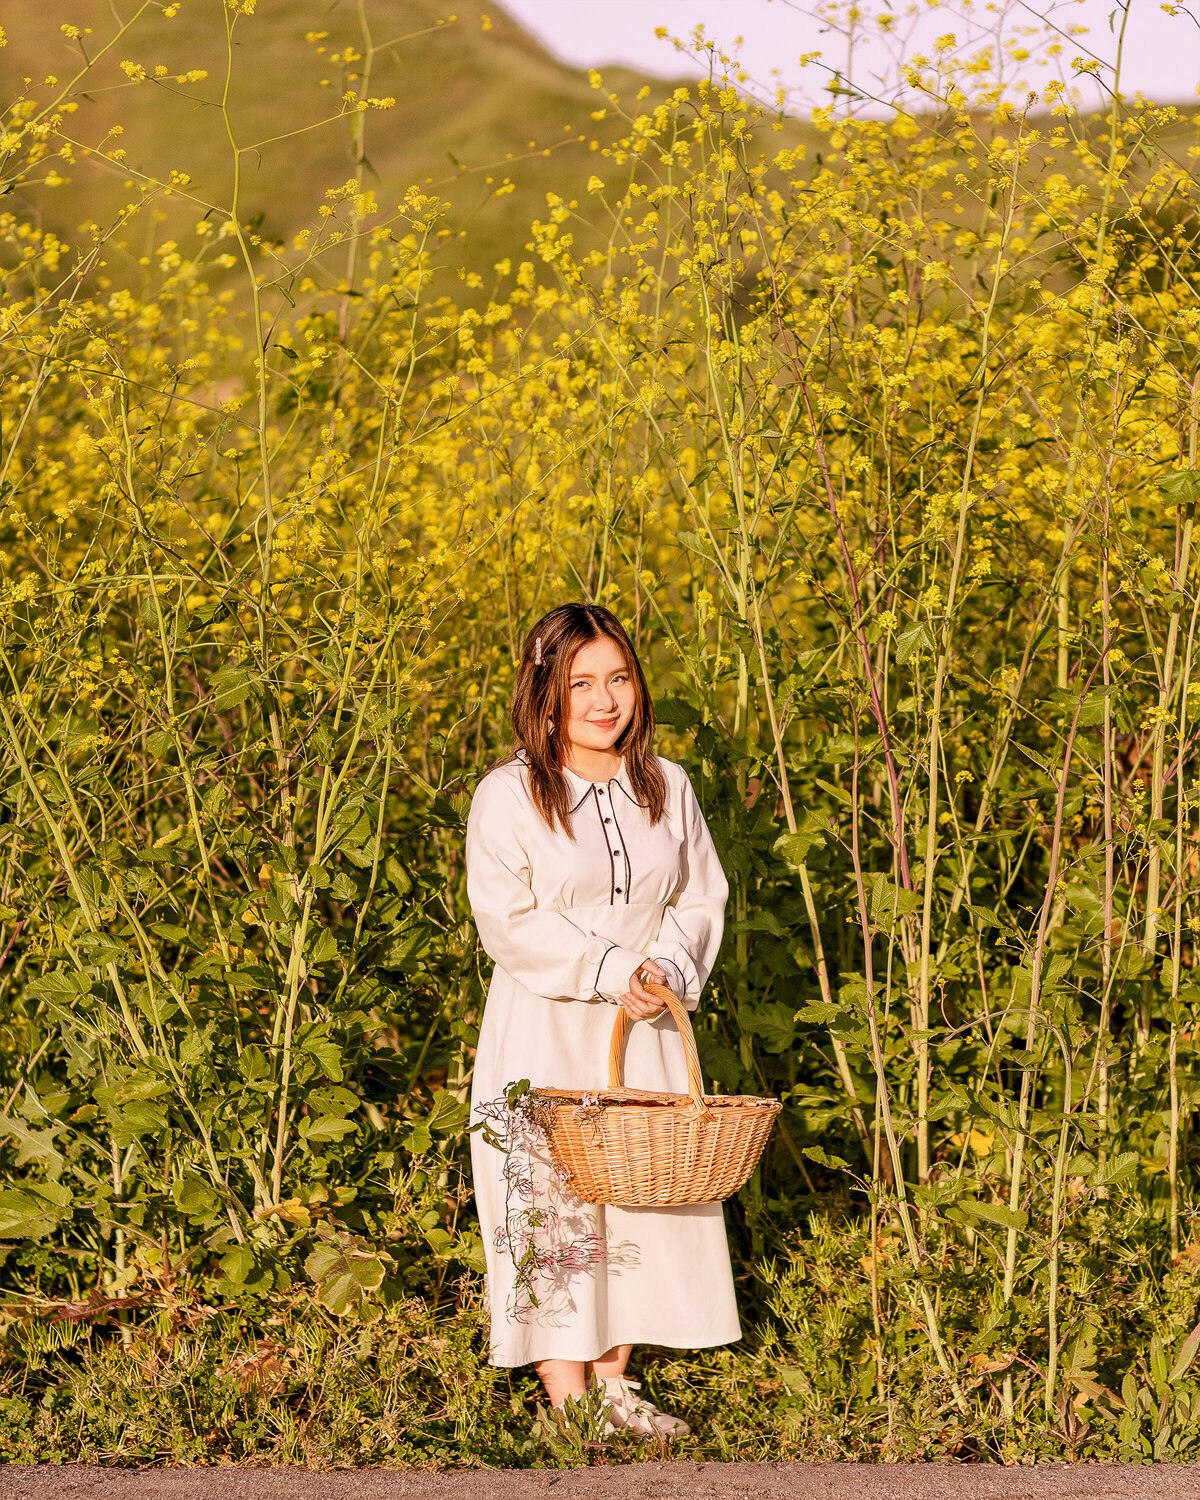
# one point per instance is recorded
(511, 1124)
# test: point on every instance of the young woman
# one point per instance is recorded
(590, 871)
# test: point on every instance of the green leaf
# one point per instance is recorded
(913, 640)
(334, 1101)
(449, 812)
(348, 817)
(704, 471)
(252, 977)
(1059, 967)
(344, 886)
(1181, 488)
(1092, 1388)
(397, 876)
(1039, 760)
(32, 1145)
(142, 1117)
(253, 1064)
(238, 1263)
(159, 743)
(821, 1011)
(323, 947)
(58, 986)
(329, 1055)
(363, 855)
(232, 685)
(775, 1024)
(210, 614)
(344, 1270)
(154, 1002)
(409, 943)
(825, 1159)
(31, 1212)
(468, 1248)
(760, 921)
(694, 542)
(169, 931)
(1187, 1353)
(418, 1140)
(1119, 1168)
(328, 1128)
(793, 848)
(194, 1195)
(1092, 710)
(675, 713)
(1158, 1361)
(889, 900)
(448, 1113)
(995, 1213)
(196, 1044)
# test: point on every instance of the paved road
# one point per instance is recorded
(661, 1481)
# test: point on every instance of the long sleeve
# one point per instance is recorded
(540, 947)
(694, 919)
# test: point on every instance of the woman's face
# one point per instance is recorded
(601, 696)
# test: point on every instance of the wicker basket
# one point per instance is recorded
(634, 1147)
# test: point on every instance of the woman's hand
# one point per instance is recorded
(637, 1002)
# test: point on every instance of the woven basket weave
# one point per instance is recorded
(635, 1147)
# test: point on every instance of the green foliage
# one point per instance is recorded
(399, 1381)
(894, 485)
(475, 115)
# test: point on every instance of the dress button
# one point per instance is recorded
(608, 820)
(616, 851)
(618, 890)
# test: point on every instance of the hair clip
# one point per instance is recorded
(537, 651)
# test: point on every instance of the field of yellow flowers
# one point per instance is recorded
(887, 454)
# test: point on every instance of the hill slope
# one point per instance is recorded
(475, 97)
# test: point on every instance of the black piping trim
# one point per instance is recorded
(522, 759)
(624, 851)
(629, 794)
(612, 874)
(600, 965)
(520, 756)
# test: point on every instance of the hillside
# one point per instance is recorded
(476, 97)
(478, 100)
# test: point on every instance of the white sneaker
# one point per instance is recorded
(635, 1414)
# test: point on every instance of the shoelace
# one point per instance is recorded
(635, 1412)
(623, 1394)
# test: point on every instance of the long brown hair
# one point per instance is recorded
(540, 710)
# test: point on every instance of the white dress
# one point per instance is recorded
(567, 922)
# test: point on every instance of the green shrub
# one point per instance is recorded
(889, 460)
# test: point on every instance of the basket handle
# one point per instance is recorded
(682, 1020)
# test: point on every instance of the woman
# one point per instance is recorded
(590, 871)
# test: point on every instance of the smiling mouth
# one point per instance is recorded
(605, 723)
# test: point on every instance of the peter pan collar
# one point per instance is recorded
(581, 788)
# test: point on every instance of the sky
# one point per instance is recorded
(1160, 58)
